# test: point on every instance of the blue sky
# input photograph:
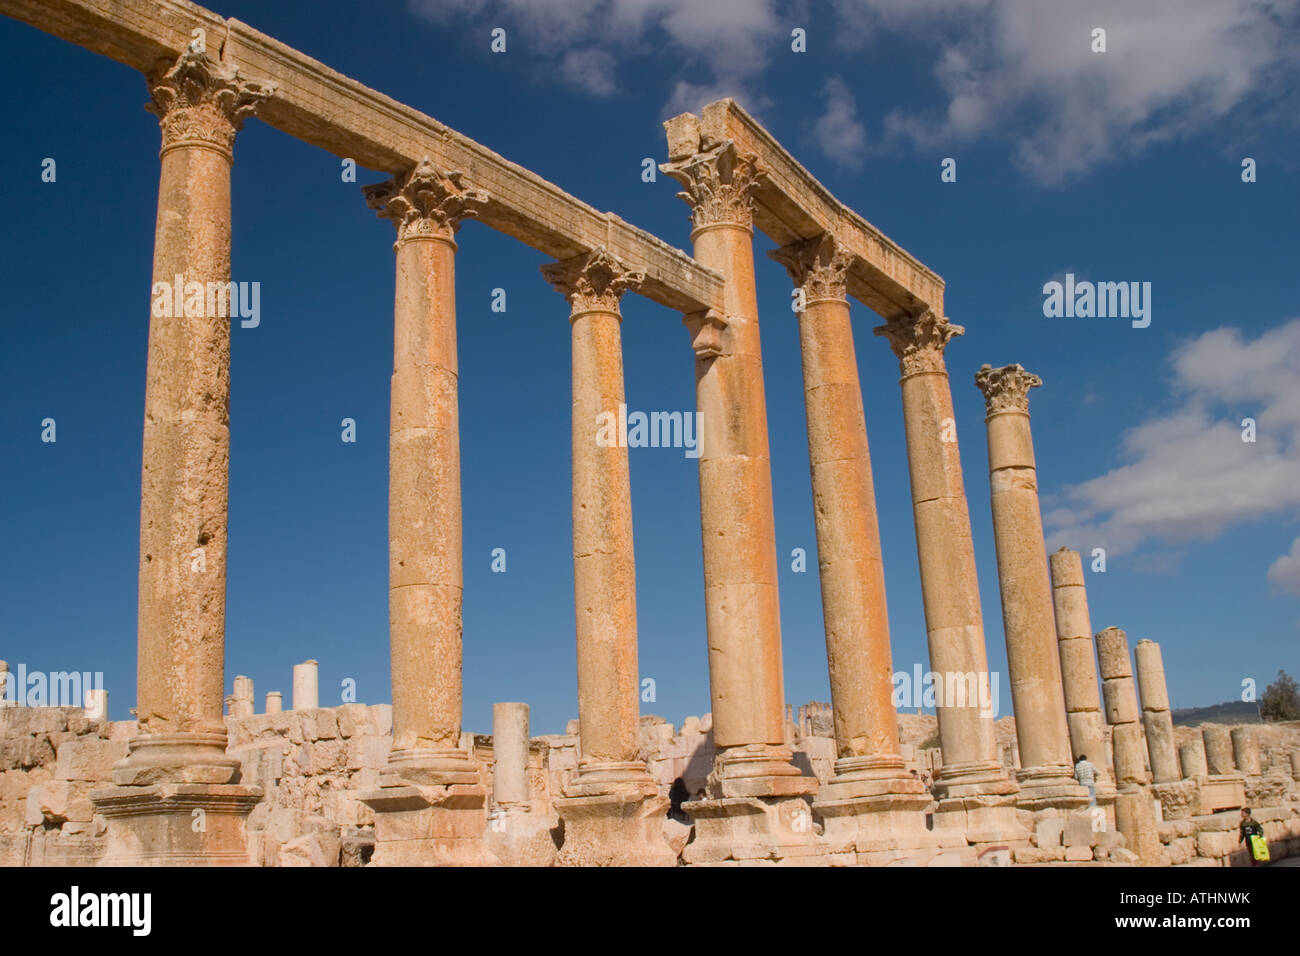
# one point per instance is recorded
(1117, 166)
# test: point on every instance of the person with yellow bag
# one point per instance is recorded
(1252, 834)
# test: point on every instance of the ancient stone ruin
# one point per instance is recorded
(846, 783)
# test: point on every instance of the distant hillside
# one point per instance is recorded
(1229, 712)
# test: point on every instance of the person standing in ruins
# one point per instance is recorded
(1086, 774)
(1252, 834)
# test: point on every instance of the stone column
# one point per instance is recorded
(1295, 764)
(1078, 664)
(1121, 707)
(241, 704)
(181, 743)
(1245, 751)
(96, 705)
(1042, 735)
(870, 777)
(274, 702)
(306, 685)
(510, 754)
(1191, 759)
(432, 786)
(611, 809)
(1156, 719)
(756, 795)
(739, 536)
(1218, 749)
(972, 783)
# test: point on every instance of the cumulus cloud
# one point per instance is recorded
(727, 43)
(838, 132)
(1024, 70)
(1188, 475)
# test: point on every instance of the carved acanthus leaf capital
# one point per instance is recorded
(718, 185)
(425, 203)
(919, 341)
(593, 281)
(1006, 389)
(819, 266)
(200, 101)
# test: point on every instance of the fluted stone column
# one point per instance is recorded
(739, 536)
(431, 784)
(870, 776)
(306, 685)
(1121, 707)
(611, 809)
(1157, 721)
(1191, 760)
(201, 104)
(1245, 751)
(1042, 735)
(972, 780)
(1079, 664)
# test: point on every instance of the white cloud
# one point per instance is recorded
(837, 131)
(1024, 70)
(1188, 474)
(729, 42)
(1284, 574)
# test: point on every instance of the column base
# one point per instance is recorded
(613, 815)
(1178, 801)
(429, 825)
(198, 758)
(753, 830)
(176, 824)
(518, 836)
(758, 770)
(1048, 787)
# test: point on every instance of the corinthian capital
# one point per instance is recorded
(593, 281)
(919, 341)
(425, 203)
(1006, 389)
(718, 185)
(200, 101)
(819, 266)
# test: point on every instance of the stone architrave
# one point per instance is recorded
(871, 797)
(177, 762)
(430, 806)
(974, 791)
(612, 811)
(1121, 708)
(756, 795)
(1157, 721)
(1042, 735)
(1079, 666)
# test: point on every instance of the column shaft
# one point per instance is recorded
(1162, 749)
(1078, 660)
(1042, 735)
(1121, 708)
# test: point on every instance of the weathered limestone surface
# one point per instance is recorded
(1191, 760)
(739, 537)
(1046, 778)
(1156, 719)
(1245, 751)
(612, 810)
(978, 793)
(1218, 749)
(306, 685)
(1079, 665)
(871, 791)
(1121, 707)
